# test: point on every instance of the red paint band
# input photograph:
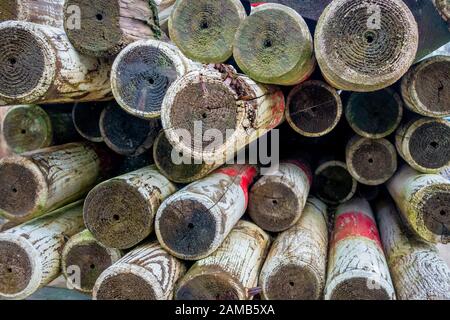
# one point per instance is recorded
(257, 4)
(277, 109)
(355, 224)
(246, 173)
(305, 168)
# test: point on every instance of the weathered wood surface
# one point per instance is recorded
(146, 273)
(84, 259)
(357, 267)
(232, 271)
(417, 270)
(39, 65)
(194, 222)
(86, 118)
(443, 7)
(424, 203)
(295, 268)
(30, 254)
(45, 12)
(4, 150)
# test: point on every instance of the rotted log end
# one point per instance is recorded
(359, 288)
(433, 204)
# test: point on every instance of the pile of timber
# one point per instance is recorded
(125, 130)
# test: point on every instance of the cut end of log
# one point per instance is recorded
(86, 118)
(9, 10)
(360, 289)
(443, 8)
(434, 207)
(365, 45)
(314, 109)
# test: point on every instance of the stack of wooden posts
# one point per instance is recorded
(117, 182)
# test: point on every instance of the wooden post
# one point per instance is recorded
(443, 8)
(86, 118)
(313, 108)
(306, 8)
(104, 28)
(425, 88)
(361, 47)
(182, 170)
(31, 127)
(40, 181)
(274, 45)
(6, 225)
(231, 271)
(371, 161)
(418, 272)
(445, 173)
(84, 259)
(295, 268)
(30, 254)
(234, 108)
(277, 200)
(46, 12)
(120, 212)
(194, 222)
(4, 150)
(424, 202)
(357, 267)
(39, 65)
(333, 184)
(146, 273)
(425, 144)
(126, 134)
(374, 115)
(205, 30)
(143, 72)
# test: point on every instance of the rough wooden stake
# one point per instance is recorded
(358, 50)
(46, 12)
(146, 273)
(30, 254)
(39, 65)
(426, 87)
(231, 271)
(374, 115)
(194, 222)
(204, 30)
(418, 272)
(357, 267)
(313, 108)
(274, 45)
(371, 161)
(425, 144)
(443, 8)
(86, 118)
(37, 182)
(277, 200)
(231, 107)
(126, 134)
(295, 268)
(143, 72)
(104, 27)
(120, 212)
(84, 259)
(424, 202)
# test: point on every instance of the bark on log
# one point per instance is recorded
(30, 254)
(194, 222)
(365, 45)
(374, 115)
(371, 161)
(146, 273)
(424, 202)
(426, 87)
(231, 271)
(37, 182)
(333, 184)
(425, 144)
(177, 168)
(357, 267)
(211, 114)
(126, 134)
(86, 118)
(295, 268)
(45, 12)
(31, 127)
(274, 45)
(143, 72)
(313, 109)
(277, 201)
(204, 30)
(84, 259)
(120, 212)
(102, 28)
(39, 65)
(418, 272)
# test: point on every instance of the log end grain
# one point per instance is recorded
(360, 288)
(86, 118)
(9, 10)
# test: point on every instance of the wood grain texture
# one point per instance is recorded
(45, 12)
